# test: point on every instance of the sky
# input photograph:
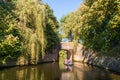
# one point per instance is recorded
(62, 7)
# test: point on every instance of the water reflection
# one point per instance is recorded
(57, 71)
(85, 72)
(39, 72)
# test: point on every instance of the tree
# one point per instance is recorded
(28, 28)
(101, 23)
(72, 24)
(51, 27)
(10, 46)
(38, 26)
(97, 26)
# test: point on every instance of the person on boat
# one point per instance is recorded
(65, 61)
(68, 62)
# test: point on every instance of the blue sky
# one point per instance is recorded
(62, 7)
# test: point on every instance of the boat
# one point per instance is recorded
(68, 62)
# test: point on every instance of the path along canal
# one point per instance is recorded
(57, 71)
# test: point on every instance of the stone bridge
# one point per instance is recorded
(68, 46)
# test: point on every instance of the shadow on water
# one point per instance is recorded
(56, 71)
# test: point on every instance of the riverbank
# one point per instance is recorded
(108, 63)
(94, 58)
(23, 60)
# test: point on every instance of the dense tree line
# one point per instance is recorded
(95, 24)
(27, 27)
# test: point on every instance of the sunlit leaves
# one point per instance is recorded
(9, 35)
(97, 23)
(27, 27)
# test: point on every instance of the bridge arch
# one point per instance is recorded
(68, 53)
(68, 47)
(76, 55)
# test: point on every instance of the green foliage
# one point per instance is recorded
(9, 34)
(63, 54)
(51, 27)
(38, 27)
(31, 16)
(102, 26)
(89, 2)
(27, 27)
(97, 24)
(10, 47)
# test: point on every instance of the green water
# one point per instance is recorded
(57, 71)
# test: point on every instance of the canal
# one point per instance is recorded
(57, 71)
